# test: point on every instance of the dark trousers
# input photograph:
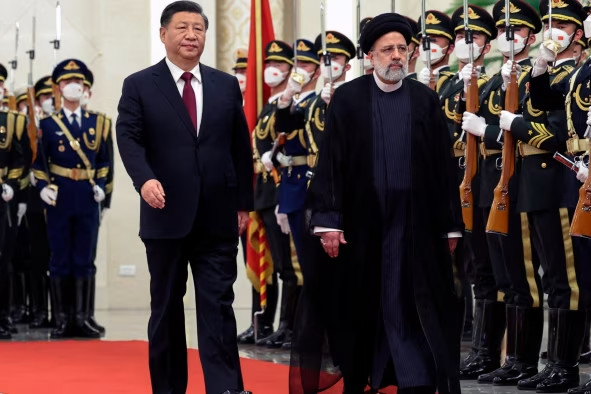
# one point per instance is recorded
(280, 246)
(213, 264)
(582, 259)
(483, 279)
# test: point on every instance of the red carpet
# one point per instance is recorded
(99, 367)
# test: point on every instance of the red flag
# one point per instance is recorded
(261, 33)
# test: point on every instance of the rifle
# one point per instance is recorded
(427, 45)
(471, 159)
(360, 55)
(325, 53)
(581, 223)
(498, 220)
(277, 144)
(57, 96)
(13, 66)
(567, 162)
(32, 125)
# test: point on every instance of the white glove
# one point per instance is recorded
(283, 159)
(506, 72)
(424, 76)
(7, 192)
(291, 89)
(282, 221)
(589, 118)
(48, 195)
(326, 93)
(583, 173)
(20, 212)
(473, 124)
(99, 194)
(466, 74)
(32, 179)
(505, 120)
(266, 160)
(545, 56)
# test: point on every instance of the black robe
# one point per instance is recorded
(345, 292)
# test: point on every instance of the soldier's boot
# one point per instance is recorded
(586, 351)
(532, 382)
(569, 339)
(584, 389)
(19, 312)
(510, 312)
(91, 320)
(489, 330)
(81, 328)
(60, 309)
(4, 307)
(39, 294)
(283, 334)
(265, 321)
(529, 329)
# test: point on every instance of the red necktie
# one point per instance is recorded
(189, 97)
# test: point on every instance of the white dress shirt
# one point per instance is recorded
(196, 83)
(77, 111)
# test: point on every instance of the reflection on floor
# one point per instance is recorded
(128, 325)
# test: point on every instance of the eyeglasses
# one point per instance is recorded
(387, 51)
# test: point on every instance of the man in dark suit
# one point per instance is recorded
(184, 141)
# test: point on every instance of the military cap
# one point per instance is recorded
(414, 26)
(240, 59)
(305, 51)
(279, 51)
(564, 10)
(69, 68)
(20, 94)
(363, 23)
(383, 24)
(3, 73)
(336, 43)
(43, 86)
(5, 101)
(438, 24)
(479, 20)
(584, 42)
(520, 14)
(88, 78)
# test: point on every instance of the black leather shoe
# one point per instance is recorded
(279, 338)
(519, 371)
(246, 336)
(584, 389)
(560, 380)
(236, 392)
(8, 325)
(532, 383)
(585, 358)
(5, 334)
(489, 377)
(479, 366)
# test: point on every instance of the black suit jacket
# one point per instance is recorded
(206, 178)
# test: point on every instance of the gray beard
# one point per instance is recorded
(391, 75)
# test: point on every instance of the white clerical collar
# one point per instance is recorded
(386, 87)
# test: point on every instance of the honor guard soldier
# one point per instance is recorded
(39, 259)
(71, 169)
(580, 53)
(106, 203)
(541, 132)
(12, 164)
(441, 33)
(240, 64)
(367, 66)
(489, 314)
(413, 47)
(291, 119)
(341, 50)
(278, 63)
(523, 308)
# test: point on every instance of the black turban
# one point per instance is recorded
(383, 24)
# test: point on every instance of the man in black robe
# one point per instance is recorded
(385, 206)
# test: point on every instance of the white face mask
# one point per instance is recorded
(241, 81)
(560, 37)
(504, 46)
(436, 53)
(72, 91)
(307, 76)
(587, 26)
(24, 109)
(273, 76)
(85, 98)
(463, 50)
(367, 63)
(47, 106)
(336, 69)
(1, 93)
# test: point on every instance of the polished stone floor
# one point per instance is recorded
(131, 324)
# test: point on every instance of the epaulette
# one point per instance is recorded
(443, 76)
(561, 76)
(482, 80)
(20, 124)
(447, 73)
(524, 73)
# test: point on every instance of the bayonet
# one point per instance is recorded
(325, 53)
